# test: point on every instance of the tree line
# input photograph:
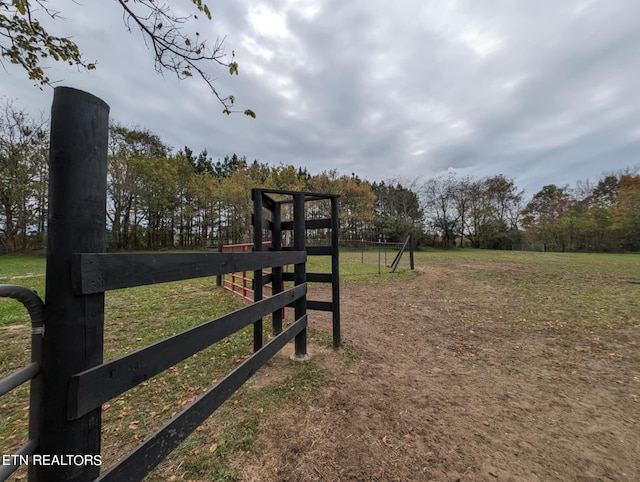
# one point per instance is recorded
(161, 199)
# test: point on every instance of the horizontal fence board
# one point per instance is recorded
(309, 224)
(313, 250)
(96, 273)
(319, 250)
(319, 277)
(319, 305)
(154, 449)
(93, 387)
(269, 202)
(308, 196)
(311, 277)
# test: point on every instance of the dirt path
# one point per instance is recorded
(435, 395)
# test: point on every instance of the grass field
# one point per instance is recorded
(567, 289)
(137, 317)
(576, 290)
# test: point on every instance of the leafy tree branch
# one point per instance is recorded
(25, 42)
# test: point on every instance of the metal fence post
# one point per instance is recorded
(73, 340)
(411, 262)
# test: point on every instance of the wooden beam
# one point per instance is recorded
(319, 305)
(309, 224)
(76, 224)
(311, 277)
(156, 447)
(320, 251)
(91, 388)
(96, 273)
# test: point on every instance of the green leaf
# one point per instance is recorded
(21, 5)
(250, 113)
(233, 68)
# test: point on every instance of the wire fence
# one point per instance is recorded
(372, 252)
(529, 247)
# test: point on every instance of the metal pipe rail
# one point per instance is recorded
(238, 282)
(35, 306)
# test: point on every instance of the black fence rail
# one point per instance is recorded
(89, 389)
(72, 380)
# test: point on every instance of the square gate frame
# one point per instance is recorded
(264, 200)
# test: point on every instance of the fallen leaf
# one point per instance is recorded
(213, 448)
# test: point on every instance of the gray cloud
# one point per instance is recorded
(542, 92)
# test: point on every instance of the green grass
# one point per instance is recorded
(555, 289)
(354, 271)
(571, 291)
(25, 271)
(135, 318)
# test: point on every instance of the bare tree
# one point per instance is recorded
(23, 177)
(440, 206)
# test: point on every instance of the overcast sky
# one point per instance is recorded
(544, 91)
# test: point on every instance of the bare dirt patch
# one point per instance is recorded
(439, 390)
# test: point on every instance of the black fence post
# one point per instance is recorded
(220, 249)
(300, 270)
(73, 340)
(276, 281)
(335, 270)
(257, 275)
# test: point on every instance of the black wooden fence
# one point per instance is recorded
(75, 379)
(268, 219)
(89, 389)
